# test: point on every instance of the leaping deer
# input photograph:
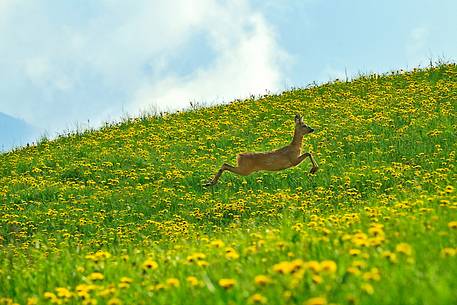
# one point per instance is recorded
(276, 160)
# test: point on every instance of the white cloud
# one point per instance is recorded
(248, 62)
(64, 64)
(39, 72)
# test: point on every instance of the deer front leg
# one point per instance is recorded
(315, 166)
(303, 157)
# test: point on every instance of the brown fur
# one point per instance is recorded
(276, 160)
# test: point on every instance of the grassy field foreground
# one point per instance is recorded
(119, 215)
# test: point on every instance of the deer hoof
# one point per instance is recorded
(314, 170)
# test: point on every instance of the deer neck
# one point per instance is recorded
(297, 140)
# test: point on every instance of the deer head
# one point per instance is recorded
(301, 127)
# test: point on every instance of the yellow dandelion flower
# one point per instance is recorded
(149, 264)
(448, 252)
(227, 283)
(452, 225)
(173, 282)
(376, 241)
(123, 285)
(354, 252)
(258, 299)
(49, 295)
(84, 288)
(114, 301)
(296, 265)
(360, 239)
(96, 276)
(449, 189)
(110, 290)
(98, 256)
(196, 257)
(367, 288)
(282, 267)
(90, 302)
(359, 264)
(231, 253)
(102, 254)
(63, 292)
(83, 295)
(217, 243)
(32, 301)
(202, 263)
(392, 257)
(192, 280)
(404, 248)
(251, 249)
(353, 270)
(444, 202)
(159, 287)
(376, 230)
(262, 280)
(313, 266)
(316, 301)
(80, 269)
(288, 267)
(372, 275)
(317, 279)
(125, 279)
(328, 266)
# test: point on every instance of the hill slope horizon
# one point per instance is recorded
(119, 215)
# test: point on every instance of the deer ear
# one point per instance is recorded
(297, 118)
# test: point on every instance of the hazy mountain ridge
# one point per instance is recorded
(15, 132)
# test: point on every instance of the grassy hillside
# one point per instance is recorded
(119, 215)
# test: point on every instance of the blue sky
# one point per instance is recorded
(67, 63)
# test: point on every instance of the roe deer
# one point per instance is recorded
(276, 160)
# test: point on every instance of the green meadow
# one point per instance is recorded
(119, 215)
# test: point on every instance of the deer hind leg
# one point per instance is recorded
(227, 167)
